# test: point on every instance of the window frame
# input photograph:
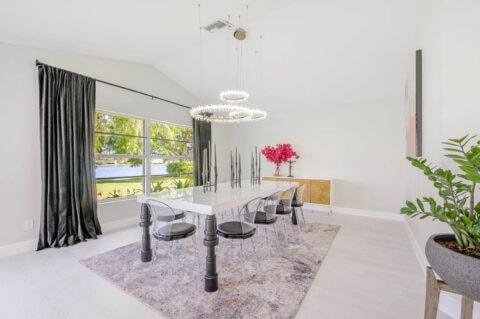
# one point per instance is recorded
(164, 157)
(146, 156)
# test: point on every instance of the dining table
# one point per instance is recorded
(209, 203)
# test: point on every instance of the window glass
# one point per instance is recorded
(171, 156)
(121, 161)
(119, 187)
(119, 155)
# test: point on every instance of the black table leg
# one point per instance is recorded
(210, 241)
(145, 222)
(294, 216)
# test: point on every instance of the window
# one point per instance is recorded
(171, 153)
(119, 155)
(127, 159)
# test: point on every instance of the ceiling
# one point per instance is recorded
(313, 53)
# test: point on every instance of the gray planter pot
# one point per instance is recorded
(461, 272)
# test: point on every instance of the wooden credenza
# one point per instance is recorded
(317, 191)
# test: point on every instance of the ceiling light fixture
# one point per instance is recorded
(226, 113)
(232, 112)
(234, 96)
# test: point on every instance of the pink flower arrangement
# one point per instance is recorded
(279, 154)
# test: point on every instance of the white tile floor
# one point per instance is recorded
(370, 272)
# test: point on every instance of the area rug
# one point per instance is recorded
(276, 273)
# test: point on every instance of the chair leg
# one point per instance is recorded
(220, 257)
(197, 254)
(170, 260)
(243, 258)
(295, 230)
(277, 244)
(303, 216)
(267, 242)
(154, 256)
(197, 217)
(253, 246)
(285, 229)
(254, 254)
(179, 247)
(232, 247)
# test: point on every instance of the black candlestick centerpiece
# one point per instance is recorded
(209, 177)
(255, 167)
(290, 162)
(235, 170)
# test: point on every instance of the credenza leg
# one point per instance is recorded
(145, 222)
(210, 241)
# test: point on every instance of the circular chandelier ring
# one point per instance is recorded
(221, 113)
(234, 96)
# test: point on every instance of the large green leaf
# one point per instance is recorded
(411, 205)
(420, 205)
(472, 177)
(454, 189)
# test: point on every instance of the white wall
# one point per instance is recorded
(359, 141)
(430, 41)
(449, 35)
(361, 145)
(19, 125)
(331, 75)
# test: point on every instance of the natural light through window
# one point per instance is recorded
(128, 161)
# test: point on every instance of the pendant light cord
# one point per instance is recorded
(200, 57)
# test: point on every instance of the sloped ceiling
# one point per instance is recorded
(313, 53)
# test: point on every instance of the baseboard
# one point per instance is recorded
(356, 212)
(18, 248)
(119, 224)
(419, 253)
(31, 245)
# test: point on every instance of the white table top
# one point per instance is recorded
(211, 203)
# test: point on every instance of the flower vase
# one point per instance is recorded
(277, 170)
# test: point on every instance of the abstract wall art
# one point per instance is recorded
(413, 101)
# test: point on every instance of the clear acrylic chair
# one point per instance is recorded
(267, 217)
(171, 226)
(240, 227)
(285, 209)
(297, 202)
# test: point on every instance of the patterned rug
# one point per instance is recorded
(270, 283)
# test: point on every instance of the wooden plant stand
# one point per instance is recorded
(434, 286)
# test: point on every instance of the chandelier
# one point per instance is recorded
(234, 96)
(232, 110)
(226, 113)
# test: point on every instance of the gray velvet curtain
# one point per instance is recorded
(67, 115)
(202, 134)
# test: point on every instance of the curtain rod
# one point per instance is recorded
(38, 63)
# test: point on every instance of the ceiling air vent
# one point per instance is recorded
(217, 25)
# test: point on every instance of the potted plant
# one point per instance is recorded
(454, 257)
(279, 154)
